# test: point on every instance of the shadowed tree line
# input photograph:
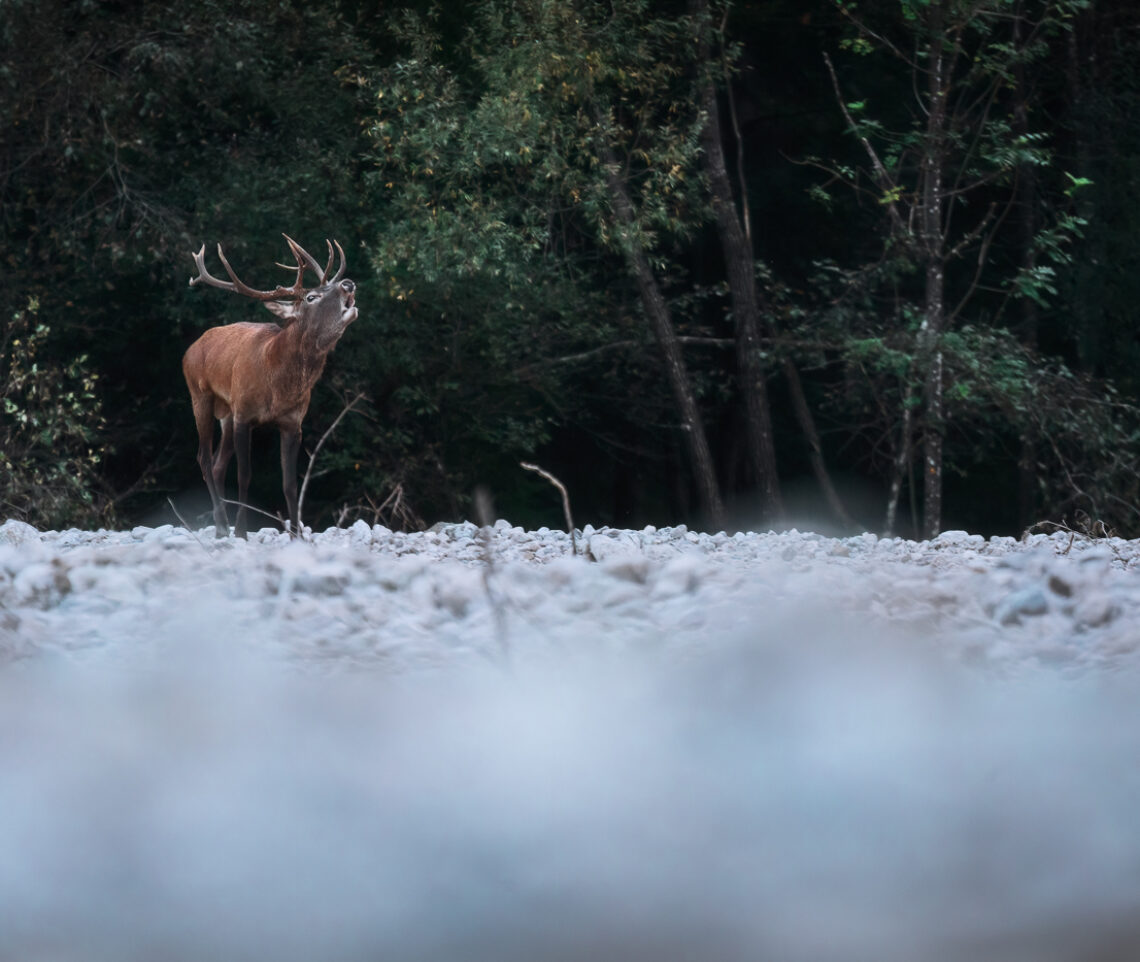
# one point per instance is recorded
(869, 267)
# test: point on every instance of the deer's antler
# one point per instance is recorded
(305, 261)
(235, 284)
(303, 256)
(339, 273)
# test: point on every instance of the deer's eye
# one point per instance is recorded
(311, 297)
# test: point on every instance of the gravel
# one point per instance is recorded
(364, 595)
(465, 744)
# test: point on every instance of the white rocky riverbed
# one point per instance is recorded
(466, 745)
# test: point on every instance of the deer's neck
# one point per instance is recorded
(299, 355)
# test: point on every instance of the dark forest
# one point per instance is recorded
(848, 266)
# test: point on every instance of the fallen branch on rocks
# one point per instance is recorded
(1093, 530)
(565, 499)
(395, 511)
(185, 524)
(269, 514)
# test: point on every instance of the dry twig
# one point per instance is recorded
(351, 405)
(565, 499)
(186, 524)
(1093, 530)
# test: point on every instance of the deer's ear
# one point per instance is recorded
(286, 310)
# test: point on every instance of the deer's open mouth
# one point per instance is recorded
(348, 312)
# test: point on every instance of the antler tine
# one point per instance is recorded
(204, 276)
(328, 266)
(276, 294)
(339, 273)
(235, 284)
(299, 268)
(304, 258)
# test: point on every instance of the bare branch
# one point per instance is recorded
(686, 340)
(250, 507)
(973, 235)
(884, 180)
(983, 251)
(565, 499)
(399, 511)
(879, 38)
(313, 457)
(186, 524)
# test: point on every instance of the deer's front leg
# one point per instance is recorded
(290, 448)
(242, 433)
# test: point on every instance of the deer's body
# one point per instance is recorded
(244, 375)
(275, 373)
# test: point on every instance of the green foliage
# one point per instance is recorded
(950, 168)
(1087, 437)
(998, 392)
(50, 426)
(974, 155)
(500, 241)
(547, 85)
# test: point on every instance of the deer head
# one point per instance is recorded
(328, 307)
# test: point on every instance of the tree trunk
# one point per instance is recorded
(900, 469)
(932, 433)
(932, 242)
(659, 317)
(746, 313)
(1027, 481)
(815, 449)
(747, 307)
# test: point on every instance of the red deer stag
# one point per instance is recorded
(248, 374)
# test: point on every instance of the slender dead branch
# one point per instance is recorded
(983, 251)
(970, 236)
(975, 281)
(885, 182)
(565, 500)
(241, 504)
(186, 524)
(1087, 527)
(351, 405)
(685, 340)
(880, 38)
(398, 510)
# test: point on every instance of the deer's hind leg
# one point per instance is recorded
(223, 455)
(239, 434)
(204, 420)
